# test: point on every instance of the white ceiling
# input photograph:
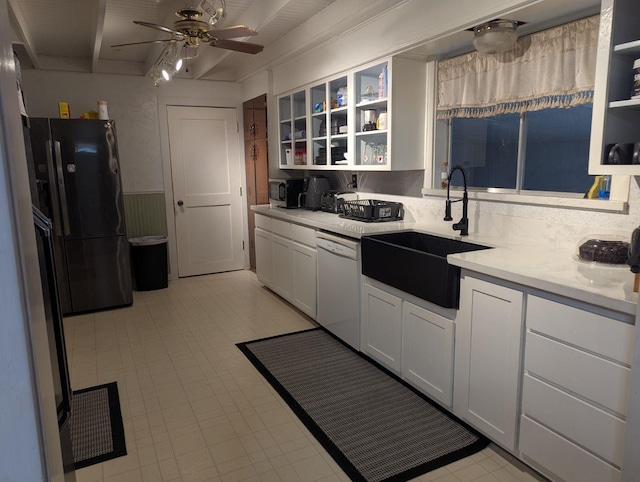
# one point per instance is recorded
(76, 35)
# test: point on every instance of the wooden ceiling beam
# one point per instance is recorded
(100, 11)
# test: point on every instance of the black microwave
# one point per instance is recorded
(285, 193)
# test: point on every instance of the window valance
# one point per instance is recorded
(550, 68)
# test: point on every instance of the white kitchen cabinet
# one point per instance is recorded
(410, 336)
(575, 388)
(292, 129)
(304, 269)
(616, 117)
(263, 255)
(286, 261)
(281, 269)
(427, 352)
(381, 327)
(487, 358)
(391, 141)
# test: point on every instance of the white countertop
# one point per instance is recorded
(548, 268)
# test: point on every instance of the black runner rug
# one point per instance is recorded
(376, 427)
(96, 425)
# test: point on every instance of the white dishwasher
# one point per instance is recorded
(339, 286)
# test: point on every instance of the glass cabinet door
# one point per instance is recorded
(293, 129)
(318, 106)
(372, 122)
(338, 126)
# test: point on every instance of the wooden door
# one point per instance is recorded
(205, 171)
(260, 117)
(256, 163)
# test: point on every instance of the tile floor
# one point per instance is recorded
(194, 408)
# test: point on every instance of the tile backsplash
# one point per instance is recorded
(513, 222)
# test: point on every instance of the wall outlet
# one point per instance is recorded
(354, 181)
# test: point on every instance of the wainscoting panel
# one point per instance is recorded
(145, 214)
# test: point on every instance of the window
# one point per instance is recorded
(554, 156)
(520, 120)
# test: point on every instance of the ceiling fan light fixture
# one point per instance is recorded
(166, 72)
(495, 36)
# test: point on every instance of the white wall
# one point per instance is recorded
(28, 421)
(133, 104)
(407, 25)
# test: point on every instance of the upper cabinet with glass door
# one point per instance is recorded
(371, 118)
(616, 115)
(292, 129)
(329, 123)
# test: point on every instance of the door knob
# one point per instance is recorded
(180, 203)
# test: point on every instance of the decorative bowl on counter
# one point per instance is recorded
(605, 249)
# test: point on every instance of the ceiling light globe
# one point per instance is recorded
(178, 65)
(495, 37)
(165, 74)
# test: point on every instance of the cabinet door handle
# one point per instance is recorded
(180, 203)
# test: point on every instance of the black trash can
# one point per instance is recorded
(149, 260)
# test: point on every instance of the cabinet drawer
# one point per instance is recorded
(303, 235)
(283, 228)
(263, 222)
(591, 331)
(589, 376)
(586, 425)
(561, 457)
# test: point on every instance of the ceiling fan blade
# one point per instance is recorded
(245, 47)
(169, 40)
(159, 27)
(232, 32)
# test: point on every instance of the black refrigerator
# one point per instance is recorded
(76, 183)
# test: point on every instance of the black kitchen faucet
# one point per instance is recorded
(463, 224)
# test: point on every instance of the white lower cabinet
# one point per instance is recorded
(381, 327)
(305, 279)
(427, 352)
(263, 255)
(281, 270)
(286, 261)
(487, 358)
(399, 331)
(575, 389)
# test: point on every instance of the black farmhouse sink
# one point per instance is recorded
(416, 263)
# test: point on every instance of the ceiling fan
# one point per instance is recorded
(193, 31)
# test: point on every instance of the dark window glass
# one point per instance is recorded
(487, 149)
(557, 150)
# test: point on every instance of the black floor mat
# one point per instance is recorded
(375, 426)
(96, 425)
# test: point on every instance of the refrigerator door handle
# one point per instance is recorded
(53, 191)
(63, 190)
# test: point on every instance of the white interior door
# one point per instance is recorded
(205, 170)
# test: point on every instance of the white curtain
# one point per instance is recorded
(551, 68)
